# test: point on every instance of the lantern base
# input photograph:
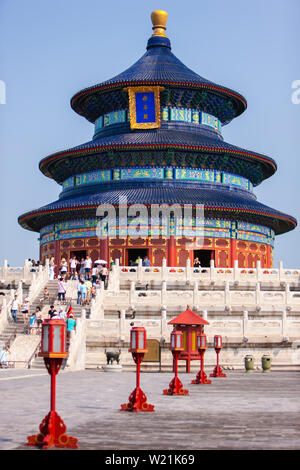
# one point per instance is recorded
(175, 388)
(201, 378)
(52, 434)
(137, 402)
(217, 372)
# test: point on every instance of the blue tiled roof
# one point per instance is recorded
(157, 66)
(164, 138)
(242, 206)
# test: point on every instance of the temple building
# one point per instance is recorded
(158, 141)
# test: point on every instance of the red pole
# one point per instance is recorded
(53, 387)
(138, 371)
(176, 365)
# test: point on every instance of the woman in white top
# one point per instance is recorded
(25, 310)
(51, 269)
(63, 267)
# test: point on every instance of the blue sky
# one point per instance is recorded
(51, 50)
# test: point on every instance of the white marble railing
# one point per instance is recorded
(165, 273)
(77, 350)
(38, 281)
(21, 273)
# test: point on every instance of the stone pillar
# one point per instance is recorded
(122, 324)
(257, 294)
(195, 294)
(164, 325)
(164, 292)
(284, 323)
(188, 271)
(245, 323)
(132, 293)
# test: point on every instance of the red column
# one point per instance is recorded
(104, 253)
(172, 251)
(233, 252)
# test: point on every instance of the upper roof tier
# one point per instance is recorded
(159, 66)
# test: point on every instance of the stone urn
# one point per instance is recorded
(249, 363)
(266, 363)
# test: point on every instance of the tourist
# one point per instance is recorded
(51, 268)
(146, 261)
(63, 267)
(15, 308)
(89, 286)
(95, 273)
(93, 292)
(70, 311)
(3, 357)
(104, 274)
(25, 310)
(73, 266)
(52, 312)
(81, 271)
(197, 263)
(61, 294)
(87, 267)
(78, 292)
(38, 316)
(46, 295)
(71, 325)
(62, 314)
(32, 323)
(83, 292)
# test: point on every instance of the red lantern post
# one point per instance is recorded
(53, 350)
(137, 399)
(201, 377)
(176, 346)
(218, 372)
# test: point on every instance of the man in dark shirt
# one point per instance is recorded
(52, 311)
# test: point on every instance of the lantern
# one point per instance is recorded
(201, 377)
(218, 372)
(176, 346)
(201, 342)
(53, 350)
(176, 341)
(54, 339)
(138, 347)
(138, 340)
(218, 342)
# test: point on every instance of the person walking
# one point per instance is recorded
(61, 293)
(15, 308)
(87, 267)
(38, 316)
(73, 265)
(104, 274)
(95, 273)
(25, 310)
(32, 323)
(71, 325)
(83, 292)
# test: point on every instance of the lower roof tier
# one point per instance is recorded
(158, 147)
(218, 203)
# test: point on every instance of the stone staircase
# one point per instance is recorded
(18, 335)
(38, 362)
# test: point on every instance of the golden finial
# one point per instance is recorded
(159, 20)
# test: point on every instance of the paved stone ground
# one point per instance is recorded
(243, 411)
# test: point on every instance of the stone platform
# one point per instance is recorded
(243, 411)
